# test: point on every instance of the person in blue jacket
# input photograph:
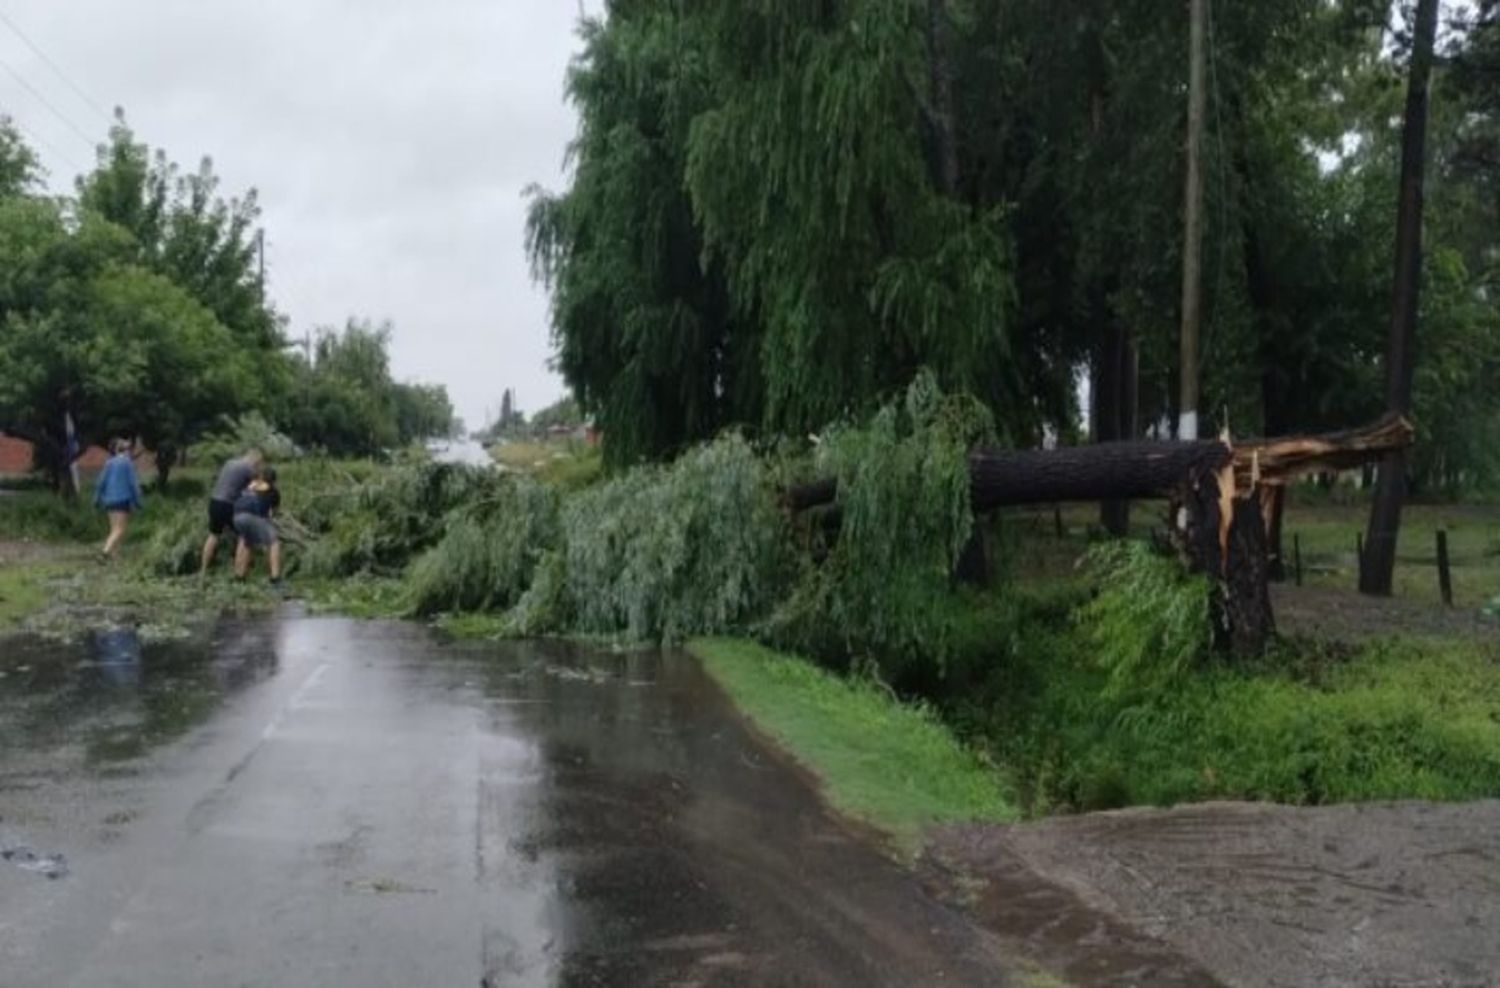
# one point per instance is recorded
(118, 492)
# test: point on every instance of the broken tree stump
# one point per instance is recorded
(1223, 536)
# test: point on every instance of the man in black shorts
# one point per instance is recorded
(233, 480)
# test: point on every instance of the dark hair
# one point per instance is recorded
(268, 474)
(118, 446)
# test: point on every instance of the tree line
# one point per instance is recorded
(778, 212)
(137, 307)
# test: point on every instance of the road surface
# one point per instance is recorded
(328, 802)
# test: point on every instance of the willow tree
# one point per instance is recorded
(827, 179)
(642, 325)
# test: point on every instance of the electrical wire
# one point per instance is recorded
(57, 70)
(36, 138)
(68, 121)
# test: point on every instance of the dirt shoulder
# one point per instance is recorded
(1346, 615)
(1377, 894)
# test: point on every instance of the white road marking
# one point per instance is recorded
(296, 702)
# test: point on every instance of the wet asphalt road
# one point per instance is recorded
(327, 802)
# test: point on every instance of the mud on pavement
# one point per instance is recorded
(1394, 894)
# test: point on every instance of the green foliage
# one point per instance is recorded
(667, 552)
(346, 403)
(181, 229)
(544, 608)
(23, 590)
(1148, 626)
(382, 524)
(487, 557)
(1309, 724)
(890, 764)
(248, 431)
(563, 412)
(42, 516)
(19, 169)
(885, 591)
(643, 329)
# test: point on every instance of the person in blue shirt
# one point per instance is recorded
(118, 493)
(254, 514)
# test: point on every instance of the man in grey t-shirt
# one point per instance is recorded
(233, 479)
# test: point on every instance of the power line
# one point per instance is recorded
(78, 131)
(36, 138)
(56, 69)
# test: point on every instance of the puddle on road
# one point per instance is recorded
(23, 857)
(114, 697)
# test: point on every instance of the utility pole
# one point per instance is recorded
(1192, 223)
(260, 248)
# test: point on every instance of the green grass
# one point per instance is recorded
(1327, 529)
(1310, 724)
(568, 464)
(23, 590)
(892, 765)
(1327, 533)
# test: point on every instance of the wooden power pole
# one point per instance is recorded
(1192, 224)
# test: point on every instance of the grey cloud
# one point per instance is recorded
(389, 141)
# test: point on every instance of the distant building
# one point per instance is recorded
(18, 456)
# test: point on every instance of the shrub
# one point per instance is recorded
(175, 548)
(1149, 625)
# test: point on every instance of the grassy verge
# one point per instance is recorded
(1312, 723)
(23, 590)
(888, 764)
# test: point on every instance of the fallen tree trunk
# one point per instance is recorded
(1220, 491)
(1146, 470)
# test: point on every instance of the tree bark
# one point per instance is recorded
(940, 63)
(1222, 536)
(1146, 469)
(1379, 563)
(166, 458)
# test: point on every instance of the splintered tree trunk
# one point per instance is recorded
(1222, 536)
(1379, 562)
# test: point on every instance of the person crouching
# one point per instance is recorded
(254, 523)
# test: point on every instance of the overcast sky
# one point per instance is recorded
(390, 141)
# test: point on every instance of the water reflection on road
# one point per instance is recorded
(332, 802)
(115, 697)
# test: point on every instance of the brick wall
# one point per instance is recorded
(15, 455)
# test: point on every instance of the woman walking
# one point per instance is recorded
(118, 492)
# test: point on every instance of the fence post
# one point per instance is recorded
(1297, 556)
(1445, 576)
(1359, 553)
(1057, 519)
